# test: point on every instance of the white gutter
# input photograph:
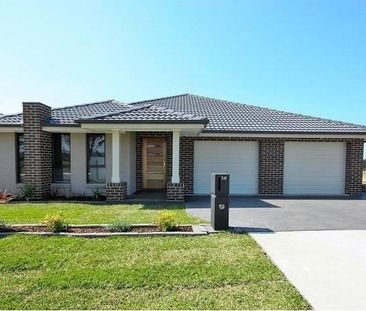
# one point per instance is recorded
(15, 129)
(279, 135)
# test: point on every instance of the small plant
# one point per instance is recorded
(120, 226)
(27, 191)
(166, 221)
(55, 223)
(5, 196)
(96, 194)
(4, 227)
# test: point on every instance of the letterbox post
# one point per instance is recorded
(220, 201)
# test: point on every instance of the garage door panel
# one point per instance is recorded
(314, 168)
(239, 159)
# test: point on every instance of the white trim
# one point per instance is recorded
(115, 156)
(186, 129)
(175, 157)
(326, 136)
(6, 129)
(64, 129)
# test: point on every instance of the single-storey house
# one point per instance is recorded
(174, 144)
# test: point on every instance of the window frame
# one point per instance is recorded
(88, 166)
(53, 158)
(17, 158)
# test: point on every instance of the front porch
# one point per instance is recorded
(157, 167)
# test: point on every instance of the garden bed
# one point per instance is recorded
(91, 229)
(103, 230)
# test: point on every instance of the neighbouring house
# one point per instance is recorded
(173, 144)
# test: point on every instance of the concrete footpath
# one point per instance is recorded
(327, 267)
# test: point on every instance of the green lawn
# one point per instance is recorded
(88, 213)
(222, 271)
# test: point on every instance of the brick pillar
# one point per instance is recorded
(354, 166)
(186, 163)
(116, 191)
(271, 160)
(38, 149)
(175, 192)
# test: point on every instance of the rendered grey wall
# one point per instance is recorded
(8, 163)
(128, 161)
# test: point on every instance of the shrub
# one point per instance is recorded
(27, 191)
(55, 223)
(120, 226)
(166, 221)
(5, 196)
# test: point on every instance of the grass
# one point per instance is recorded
(222, 271)
(88, 213)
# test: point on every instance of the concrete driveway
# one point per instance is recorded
(254, 214)
(320, 245)
(327, 267)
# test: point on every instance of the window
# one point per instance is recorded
(96, 158)
(20, 157)
(61, 158)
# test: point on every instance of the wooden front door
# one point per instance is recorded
(154, 158)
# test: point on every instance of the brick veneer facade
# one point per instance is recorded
(175, 192)
(271, 162)
(38, 149)
(354, 167)
(116, 191)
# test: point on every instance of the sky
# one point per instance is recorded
(299, 56)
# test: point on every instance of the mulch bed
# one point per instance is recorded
(91, 229)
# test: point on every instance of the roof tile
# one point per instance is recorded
(223, 116)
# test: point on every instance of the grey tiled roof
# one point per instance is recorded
(68, 115)
(14, 119)
(226, 116)
(147, 113)
(221, 115)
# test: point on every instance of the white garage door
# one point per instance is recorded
(239, 159)
(314, 168)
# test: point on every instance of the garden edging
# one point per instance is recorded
(196, 230)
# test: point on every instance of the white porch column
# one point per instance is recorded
(115, 156)
(175, 156)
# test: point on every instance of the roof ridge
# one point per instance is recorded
(11, 115)
(184, 114)
(70, 106)
(89, 104)
(282, 111)
(114, 113)
(155, 99)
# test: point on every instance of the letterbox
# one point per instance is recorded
(220, 183)
(219, 212)
(220, 201)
